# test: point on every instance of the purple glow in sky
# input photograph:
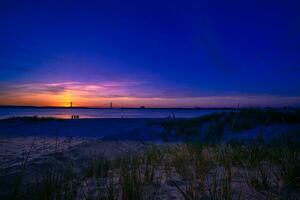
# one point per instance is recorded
(150, 53)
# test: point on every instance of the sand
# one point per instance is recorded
(93, 128)
(106, 136)
(57, 142)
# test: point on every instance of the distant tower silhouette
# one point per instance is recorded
(71, 104)
(111, 105)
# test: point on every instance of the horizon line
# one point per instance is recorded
(142, 107)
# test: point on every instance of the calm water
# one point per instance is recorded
(103, 113)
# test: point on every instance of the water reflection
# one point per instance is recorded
(102, 113)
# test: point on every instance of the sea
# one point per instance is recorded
(67, 113)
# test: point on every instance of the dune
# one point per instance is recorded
(163, 155)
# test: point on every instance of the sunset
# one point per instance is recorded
(188, 55)
(149, 100)
(129, 94)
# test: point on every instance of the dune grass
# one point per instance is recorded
(192, 170)
(214, 125)
(206, 171)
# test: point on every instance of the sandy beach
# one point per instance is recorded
(41, 137)
(97, 151)
(94, 128)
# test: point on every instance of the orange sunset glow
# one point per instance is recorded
(122, 95)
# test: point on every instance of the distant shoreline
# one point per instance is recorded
(152, 108)
(80, 107)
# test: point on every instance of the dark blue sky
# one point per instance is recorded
(177, 53)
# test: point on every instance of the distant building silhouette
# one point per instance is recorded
(111, 106)
(71, 104)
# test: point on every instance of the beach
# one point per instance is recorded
(161, 154)
(96, 128)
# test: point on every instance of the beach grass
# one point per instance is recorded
(236, 121)
(204, 171)
(190, 170)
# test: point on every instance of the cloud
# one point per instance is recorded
(105, 89)
(129, 93)
(55, 89)
(108, 89)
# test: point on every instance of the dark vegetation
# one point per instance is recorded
(197, 170)
(216, 124)
(30, 119)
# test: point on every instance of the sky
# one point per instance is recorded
(204, 53)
